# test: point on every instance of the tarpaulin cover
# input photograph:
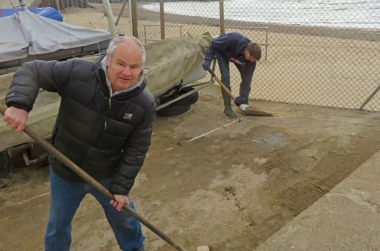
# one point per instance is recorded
(170, 60)
(48, 12)
(26, 33)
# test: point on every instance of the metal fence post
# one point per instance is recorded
(133, 17)
(221, 19)
(121, 12)
(369, 98)
(57, 4)
(111, 23)
(162, 19)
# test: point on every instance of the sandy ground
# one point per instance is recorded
(208, 179)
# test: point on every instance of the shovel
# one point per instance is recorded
(242, 107)
(52, 150)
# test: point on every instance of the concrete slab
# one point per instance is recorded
(346, 218)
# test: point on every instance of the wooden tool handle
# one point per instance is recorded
(52, 150)
(221, 84)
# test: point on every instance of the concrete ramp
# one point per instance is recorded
(346, 218)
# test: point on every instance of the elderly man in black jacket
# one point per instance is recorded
(104, 125)
(238, 49)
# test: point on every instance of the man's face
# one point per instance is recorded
(125, 67)
(248, 57)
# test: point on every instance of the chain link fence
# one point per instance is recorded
(322, 53)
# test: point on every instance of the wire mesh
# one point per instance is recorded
(322, 53)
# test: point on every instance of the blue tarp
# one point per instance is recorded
(44, 12)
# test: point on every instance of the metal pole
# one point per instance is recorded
(369, 98)
(58, 7)
(145, 34)
(121, 12)
(133, 17)
(107, 8)
(221, 18)
(266, 43)
(162, 19)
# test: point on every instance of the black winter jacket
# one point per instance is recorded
(231, 46)
(105, 136)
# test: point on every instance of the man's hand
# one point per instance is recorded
(206, 65)
(119, 201)
(16, 118)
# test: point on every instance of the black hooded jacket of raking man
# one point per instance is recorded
(105, 136)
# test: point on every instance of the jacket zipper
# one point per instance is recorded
(105, 122)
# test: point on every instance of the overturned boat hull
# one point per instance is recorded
(30, 37)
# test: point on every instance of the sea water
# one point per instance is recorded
(331, 13)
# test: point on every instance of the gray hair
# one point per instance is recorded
(115, 42)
